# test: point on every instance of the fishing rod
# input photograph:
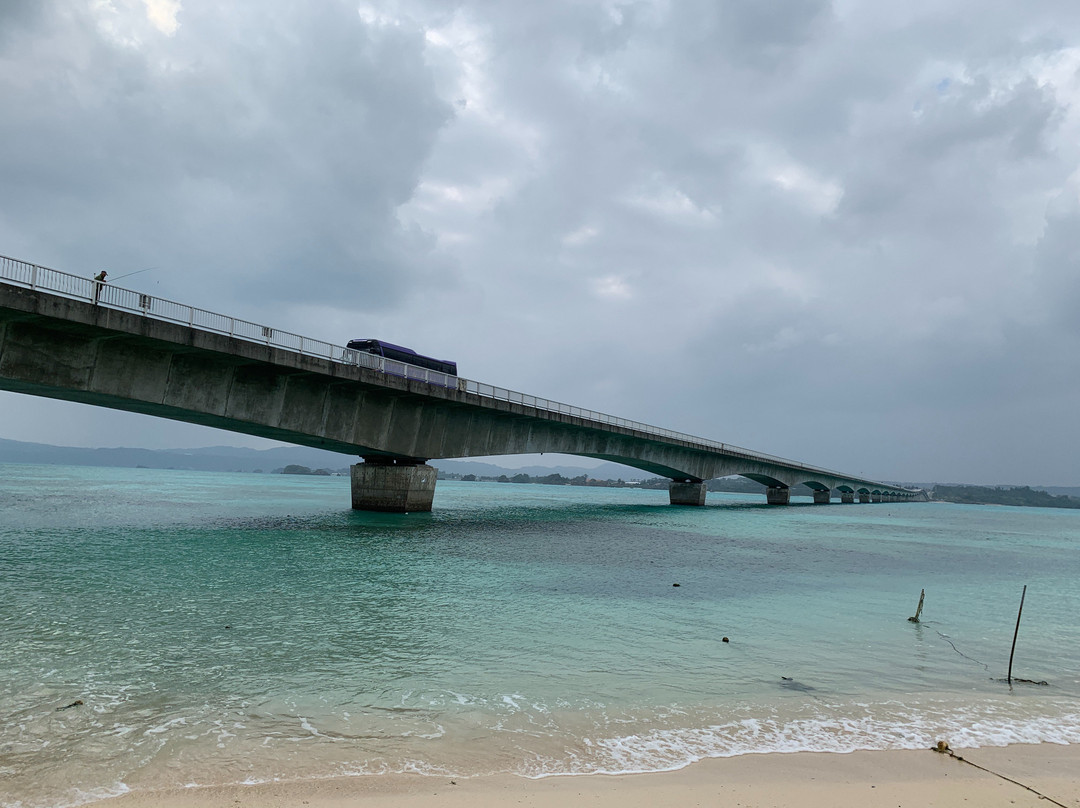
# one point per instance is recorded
(136, 272)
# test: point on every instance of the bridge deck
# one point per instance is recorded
(67, 337)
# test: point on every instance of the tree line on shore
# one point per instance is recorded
(727, 484)
(962, 494)
(1004, 495)
(547, 479)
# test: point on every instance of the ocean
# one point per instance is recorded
(213, 628)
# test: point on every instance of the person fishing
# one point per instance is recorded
(99, 281)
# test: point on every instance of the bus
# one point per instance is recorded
(401, 354)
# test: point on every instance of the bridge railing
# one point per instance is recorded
(74, 286)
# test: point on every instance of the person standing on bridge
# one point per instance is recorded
(99, 281)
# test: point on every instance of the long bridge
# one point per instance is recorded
(69, 337)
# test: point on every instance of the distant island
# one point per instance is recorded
(1010, 495)
(739, 485)
(294, 468)
(963, 494)
(277, 460)
(316, 462)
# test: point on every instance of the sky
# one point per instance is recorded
(845, 233)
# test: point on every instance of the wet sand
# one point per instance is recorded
(903, 779)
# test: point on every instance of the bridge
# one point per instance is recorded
(68, 337)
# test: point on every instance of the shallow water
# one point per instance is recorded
(223, 628)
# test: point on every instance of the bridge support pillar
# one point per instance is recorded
(847, 497)
(402, 488)
(864, 497)
(822, 497)
(681, 493)
(778, 496)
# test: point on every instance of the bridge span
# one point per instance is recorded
(67, 337)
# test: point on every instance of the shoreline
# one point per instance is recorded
(864, 779)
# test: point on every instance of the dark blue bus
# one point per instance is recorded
(400, 354)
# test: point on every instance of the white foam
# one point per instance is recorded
(667, 749)
(157, 730)
(78, 796)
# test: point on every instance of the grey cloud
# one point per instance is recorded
(238, 162)
(742, 33)
(962, 117)
(17, 17)
(1057, 271)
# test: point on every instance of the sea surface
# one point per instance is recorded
(242, 628)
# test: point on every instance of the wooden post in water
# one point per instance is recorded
(918, 611)
(1013, 651)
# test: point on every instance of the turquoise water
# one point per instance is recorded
(229, 628)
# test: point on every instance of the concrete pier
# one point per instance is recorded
(847, 497)
(680, 493)
(398, 488)
(778, 496)
(822, 497)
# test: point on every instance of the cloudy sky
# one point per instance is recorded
(842, 232)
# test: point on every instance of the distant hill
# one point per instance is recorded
(210, 458)
(233, 458)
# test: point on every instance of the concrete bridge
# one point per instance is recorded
(67, 337)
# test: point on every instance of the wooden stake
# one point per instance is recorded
(918, 611)
(1013, 651)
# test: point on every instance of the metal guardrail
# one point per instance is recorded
(77, 287)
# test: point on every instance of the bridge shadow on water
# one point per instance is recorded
(485, 516)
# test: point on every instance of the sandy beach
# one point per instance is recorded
(808, 780)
